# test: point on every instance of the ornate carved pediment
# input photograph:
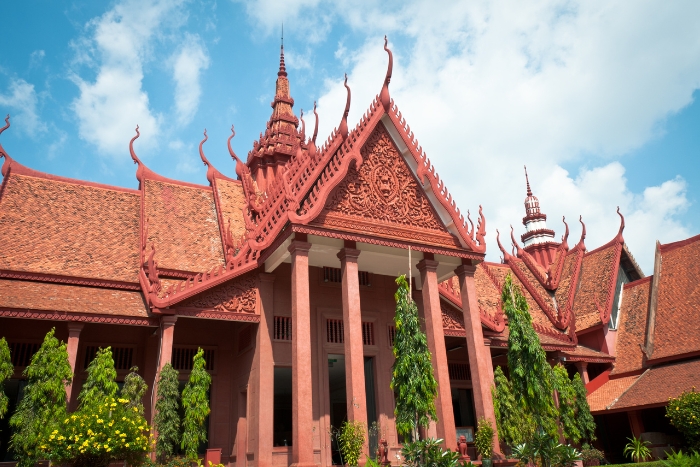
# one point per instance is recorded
(235, 296)
(451, 320)
(384, 198)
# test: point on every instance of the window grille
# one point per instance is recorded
(22, 353)
(368, 333)
(123, 356)
(334, 331)
(459, 371)
(282, 328)
(245, 338)
(392, 334)
(364, 278)
(336, 275)
(182, 358)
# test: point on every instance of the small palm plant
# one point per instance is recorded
(637, 450)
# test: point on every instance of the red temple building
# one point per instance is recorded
(284, 274)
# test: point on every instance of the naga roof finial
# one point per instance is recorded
(239, 164)
(583, 230)
(565, 237)
(527, 181)
(303, 126)
(384, 96)
(622, 222)
(312, 144)
(7, 124)
(131, 147)
(210, 168)
(343, 129)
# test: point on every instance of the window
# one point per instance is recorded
(459, 371)
(622, 279)
(182, 358)
(391, 330)
(123, 356)
(282, 328)
(22, 353)
(368, 333)
(336, 275)
(334, 331)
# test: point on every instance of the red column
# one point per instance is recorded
(436, 343)
(72, 347)
(479, 355)
(165, 355)
(636, 423)
(302, 396)
(263, 380)
(582, 368)
(352, 325)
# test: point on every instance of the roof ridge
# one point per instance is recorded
(665, 248)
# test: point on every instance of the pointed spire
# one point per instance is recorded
(312, 144)
(527, 181)
(384, 96)
(7, 124)
(283, 70)
(343, 128)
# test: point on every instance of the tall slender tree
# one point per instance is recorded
(195, 400)
(167, 419)
(101, 379)
(514, 422)
(584, 418)
(531, 375)
(412, 374)
(134, 388)
(567, 404)
(6, 370)
(43, 404)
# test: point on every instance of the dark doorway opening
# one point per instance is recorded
(370, 396)
(282, 410)
(337, 398)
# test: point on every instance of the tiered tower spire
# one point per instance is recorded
(535, 221)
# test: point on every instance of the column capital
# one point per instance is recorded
(75, 328)
(299, 248)
(427, 265)
(266, 277)
(348, 254)
(465, 270)
(168, 321)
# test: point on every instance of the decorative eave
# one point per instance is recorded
(78, 317)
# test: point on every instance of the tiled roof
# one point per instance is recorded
(631, 330)
(677, 323)
(183, 224)
(231, 203)
(70, 298)
(487, 294)
(660, 383)
(56, 227)
(583, 353)
(567, 275)
(598, 269)
(605, 396)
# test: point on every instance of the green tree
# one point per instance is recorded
(531, 375)
(43, 404)
(684, 413)
(134, 388)
(567, 404)
(195, 400)
(167, 419)
(6, 370)
(584, 418)
(100, 382)
(514, 422)
(412, 374)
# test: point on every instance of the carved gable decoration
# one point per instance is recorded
(384, 198)
(452, 322)
(235, 296)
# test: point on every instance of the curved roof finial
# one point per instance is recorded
(384, 96)
(500, 246)
(7, 124)
(343, 128)
(312, 144)
(622, 222)
(239, 163)
(201, 152)
(527, 181)
(131, 147)
(303, 126)
(583, 231)
(566, 233)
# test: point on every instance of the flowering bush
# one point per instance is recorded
(684, 413)
(99, 433)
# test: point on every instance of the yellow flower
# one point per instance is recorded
(127, 445)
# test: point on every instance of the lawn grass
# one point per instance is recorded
(641, 464)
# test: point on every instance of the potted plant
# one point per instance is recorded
(483, 440)
(591, 456)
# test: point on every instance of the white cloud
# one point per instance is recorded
(117, 45)
(187, 68)
(35, 58)
(22, 100)
(490, 86)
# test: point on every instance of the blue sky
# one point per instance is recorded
(599, 99)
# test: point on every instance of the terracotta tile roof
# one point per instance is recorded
(183, 224)
(547, 341)
(538, 316)
(57, 227)
(583, 353)
(677, 323)
(487, 293)
(567, 274)
(231, 203)
(660, 383)
(598, 269)
(70, 298)
(631, 330)
(603, 397)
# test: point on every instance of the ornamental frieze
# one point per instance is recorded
(451, 319)
(237, 296)
(383, 189)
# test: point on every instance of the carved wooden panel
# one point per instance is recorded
(451, 319)
(383, 191)
(237, 295)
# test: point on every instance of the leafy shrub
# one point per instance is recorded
(483, 439)
(591, 455)
(195, 400)
(684, 413)
(678, 459)
(429, 452)
(6, 370)
(637, 450)
(99, 433)
(351, 438)
(134, 389)
(514, 423)
(167, 419)
(544, 451)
